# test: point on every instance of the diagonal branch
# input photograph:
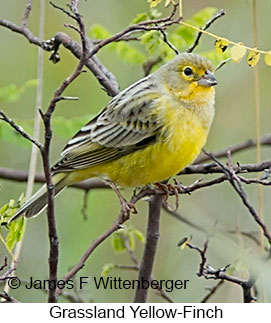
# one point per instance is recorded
(19, 129)
(251, 143)
(219, 14)
(238, 187)
(210, 273)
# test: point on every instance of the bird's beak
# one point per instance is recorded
(207, 80)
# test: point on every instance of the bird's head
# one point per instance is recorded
(189, 77)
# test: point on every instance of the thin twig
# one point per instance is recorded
(63, 10)
(8, 298)
(251, 143)
(148, 25)
(183, 219)
(210, 273)
(5, 264)
(26, 13)
(238, 187)
(19, 129)
(85, 205)
(170, 45)
(45, 151)
(219, 14)
(80, 264)
(212, 291)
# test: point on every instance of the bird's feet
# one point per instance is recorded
(168, 189)
(126, 207)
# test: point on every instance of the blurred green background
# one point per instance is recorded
(217, 209)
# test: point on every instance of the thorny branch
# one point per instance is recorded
(210, 273)
(238, 187)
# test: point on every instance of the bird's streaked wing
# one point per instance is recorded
(126, 124)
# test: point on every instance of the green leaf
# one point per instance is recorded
(106, 269)
(16, 228)
(153, 42)
(215, 57)
(139, 235)
(140, 17)
(3, 209)
(16, 231)
(31, 83)
(10, 93)
(118, 242)
(129, 54)
(123, 49)
(183, 36)
(187, 34)
(202, 16)
(131, 240)
(97, 31)
(155, 14)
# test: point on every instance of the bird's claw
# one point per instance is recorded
(126, 209)
(169, 189)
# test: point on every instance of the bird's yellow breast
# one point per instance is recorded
(178, 144)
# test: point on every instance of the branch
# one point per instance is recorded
(19, 129)
(45, 151)
(160, 291)
(215, 169)
(21, 176)
(27, 13)
(116, 226)
(4, 265)
(147, 261)
(8, 298)
(251, 143)
(238, 187)
(158, 24)
(210, 273)
(219, 14)
(106, 78)
(212, 291)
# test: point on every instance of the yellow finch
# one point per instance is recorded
(147, 133)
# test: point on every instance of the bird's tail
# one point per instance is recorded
(37, 202)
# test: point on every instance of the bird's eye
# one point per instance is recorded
(188, 71)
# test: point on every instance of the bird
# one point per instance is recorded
(147, 133)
